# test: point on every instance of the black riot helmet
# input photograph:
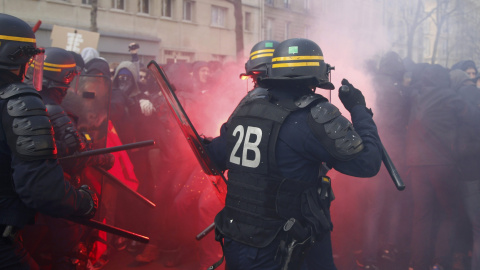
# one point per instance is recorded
(59, 68)
(260, 55)
(298, 61)
(17, 42)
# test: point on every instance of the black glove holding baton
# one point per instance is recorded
(350, 97)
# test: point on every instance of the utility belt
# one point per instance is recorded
(297, 238)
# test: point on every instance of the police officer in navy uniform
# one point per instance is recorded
(68, 247)
(276, 214)
(31, 178)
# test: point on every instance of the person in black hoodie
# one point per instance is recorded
(392, 110)
(468, 149)
(436, 114)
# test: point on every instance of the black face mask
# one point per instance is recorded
(125, 84)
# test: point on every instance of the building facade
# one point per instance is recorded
(166, 30)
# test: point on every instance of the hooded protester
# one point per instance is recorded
(436, 115)
(392, 110)
(468, 156)
(468, 66)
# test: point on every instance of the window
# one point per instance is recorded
(248, 21)
(167, 8)
(287, 30)
(219, 15)
(286, 3)
(307, 31)
(118, 4)
(187, 10)
(86, 2)
(269, 29)
(269, 2)
(144, 6)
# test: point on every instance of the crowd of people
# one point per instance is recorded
(427, 116)
(293, 142)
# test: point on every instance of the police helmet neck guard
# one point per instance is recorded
(17, 43)
(298, 61)
(59, 68)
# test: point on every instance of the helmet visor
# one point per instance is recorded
(37, 75)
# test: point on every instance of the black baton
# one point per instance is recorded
(397, 180)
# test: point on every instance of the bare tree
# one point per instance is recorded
(93, 16)
(467, 23)
(413, 19)
(444, 11)
(237, 11)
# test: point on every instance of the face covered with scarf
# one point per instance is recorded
(125, 81)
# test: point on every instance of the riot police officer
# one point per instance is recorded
(31, 178)
(69, 250)
(277, 206)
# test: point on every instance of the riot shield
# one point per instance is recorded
(190, 133)
(89, 105)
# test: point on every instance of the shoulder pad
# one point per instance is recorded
(15, 89)
(27, 127)
(324, 112)
(306, 100)
(334, 131)
(26, 105)
(36, 147)
(58, 117)
(54, 109)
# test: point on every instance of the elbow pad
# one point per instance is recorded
(334, 131)
(27, 126)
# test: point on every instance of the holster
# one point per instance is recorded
(295, 241)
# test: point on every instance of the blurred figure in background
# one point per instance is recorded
(385, 205)
(468, 162)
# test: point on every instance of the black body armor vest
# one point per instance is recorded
(260, 201)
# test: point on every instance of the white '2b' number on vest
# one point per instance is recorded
(247, 146)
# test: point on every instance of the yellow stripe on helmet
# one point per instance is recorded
(262, 51)
(59, 66)
(52, 69)
(261, 55)
(293, 58)
(21, 39)
(297, 64)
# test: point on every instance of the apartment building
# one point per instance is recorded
(167, 30)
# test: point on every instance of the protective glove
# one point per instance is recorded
(147, 107)
(350, 96)
(93, 201)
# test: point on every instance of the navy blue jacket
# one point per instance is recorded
(299, 153)
(39, 185)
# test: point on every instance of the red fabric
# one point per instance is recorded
(123, 168)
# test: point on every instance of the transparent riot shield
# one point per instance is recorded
(89, 104)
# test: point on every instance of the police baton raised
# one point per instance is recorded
(110, 229)
(110, 149)
(397, 180)
(205, 232)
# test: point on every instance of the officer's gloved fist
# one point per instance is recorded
(88, 193)
(350, 96)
